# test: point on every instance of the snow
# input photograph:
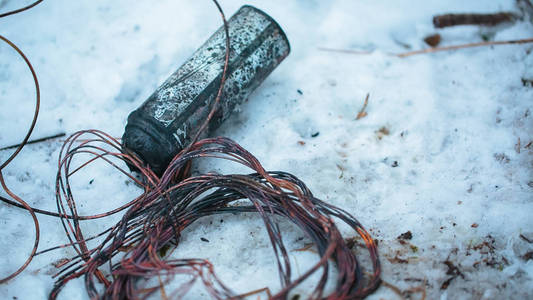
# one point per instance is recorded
(438, 153)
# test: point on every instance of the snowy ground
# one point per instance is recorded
(444, 153)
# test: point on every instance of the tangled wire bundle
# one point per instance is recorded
(156, 219)
(132, 248)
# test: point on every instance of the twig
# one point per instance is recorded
(43, 139)
(470, 45)
(362, 113)
(394, 288)
(449, 20)
(418, 289)
(437, 49)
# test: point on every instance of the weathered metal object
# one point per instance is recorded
(167, 121)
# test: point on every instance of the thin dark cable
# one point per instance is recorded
(35, 141)
(16, 11)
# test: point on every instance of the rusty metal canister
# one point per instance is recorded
(167, 121)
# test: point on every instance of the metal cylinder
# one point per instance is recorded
(167, 121)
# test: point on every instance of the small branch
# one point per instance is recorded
(362, 113)
(471, 45)
(449, 20)
(436, 49)
(35, 141)
(394, 288)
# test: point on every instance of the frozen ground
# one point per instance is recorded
(444, 153)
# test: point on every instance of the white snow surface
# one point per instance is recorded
(445, 150)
